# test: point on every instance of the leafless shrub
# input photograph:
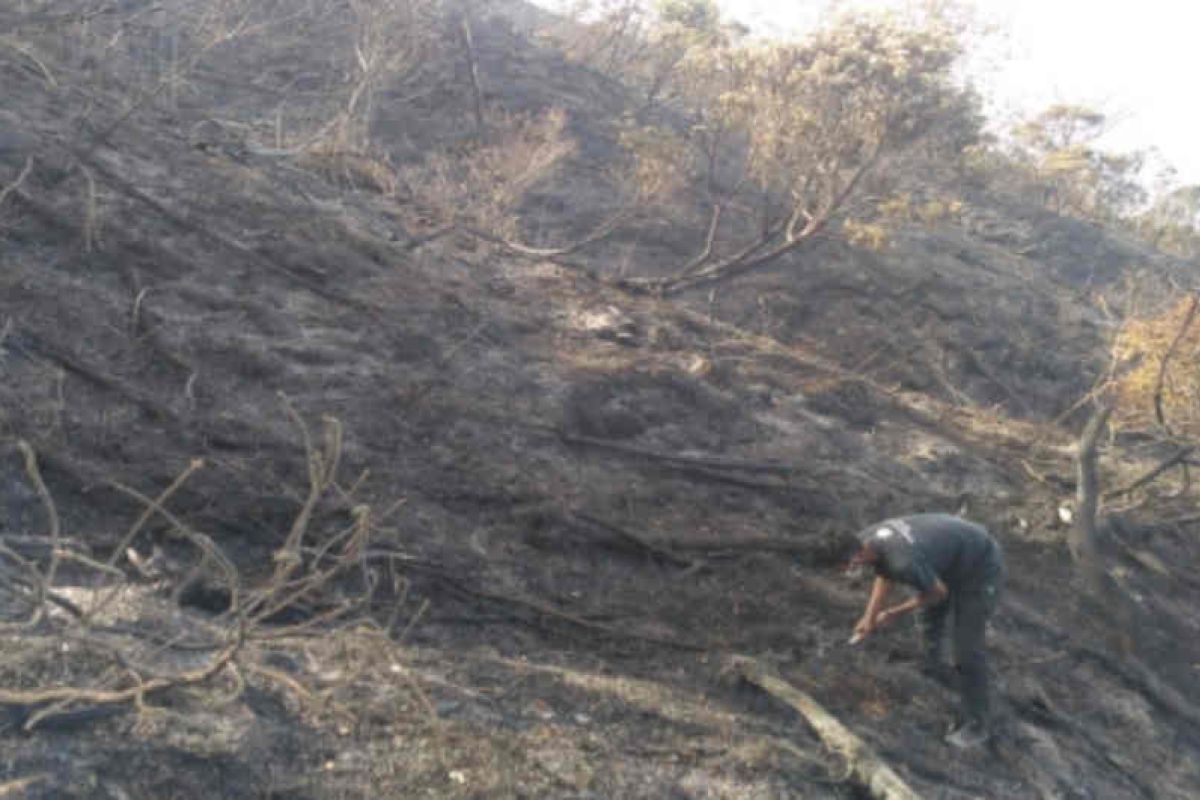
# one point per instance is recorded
(391, 40)
(166, 53)
(480, 188)
(367, 170)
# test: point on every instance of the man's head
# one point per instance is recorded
(864, 555)
(865, 546)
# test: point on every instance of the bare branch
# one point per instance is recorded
(79, 694)
(15, 185)
(1179, 458)
(704, 255)
(39, 585)
(599, 233)
(322, 469)
(35, 475)
(18, 47)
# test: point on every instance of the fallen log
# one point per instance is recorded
(864, 766)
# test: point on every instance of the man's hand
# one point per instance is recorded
(888, 616)
(865, 627)
(870, 618)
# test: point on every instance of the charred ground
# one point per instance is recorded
(604, 494)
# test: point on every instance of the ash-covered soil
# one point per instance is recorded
(584, 502)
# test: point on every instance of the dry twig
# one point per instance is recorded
(17, 47)
(16, 184)
(35, 477)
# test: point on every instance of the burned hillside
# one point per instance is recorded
(314, 490)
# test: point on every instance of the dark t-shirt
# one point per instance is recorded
(919, 549)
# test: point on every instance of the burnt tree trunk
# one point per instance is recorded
(1081, 539)
(467, 36)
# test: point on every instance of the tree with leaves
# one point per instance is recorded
(783, 134)
(1072, 173)
(1172, 222)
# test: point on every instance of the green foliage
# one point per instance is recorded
(1064, 167)
(1055, 159)
(1172, 223)
(802, 122)
(1117, 190)
(1061, 127)
(701, 16)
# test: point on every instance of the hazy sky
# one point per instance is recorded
(1137, 61)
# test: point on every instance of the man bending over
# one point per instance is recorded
(957, 569)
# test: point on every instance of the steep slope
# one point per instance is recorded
(604, 494)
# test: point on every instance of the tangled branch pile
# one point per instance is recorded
(84, 632)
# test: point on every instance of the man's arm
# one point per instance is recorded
(936, 594)
(870, 617)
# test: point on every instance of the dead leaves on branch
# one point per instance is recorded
(1162, 390)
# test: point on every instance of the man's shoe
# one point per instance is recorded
(972, 734)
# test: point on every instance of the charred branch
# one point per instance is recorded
(1082, 536)
(866, 767)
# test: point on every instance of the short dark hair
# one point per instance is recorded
(850, 543)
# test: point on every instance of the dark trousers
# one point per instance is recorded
(971, 606)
